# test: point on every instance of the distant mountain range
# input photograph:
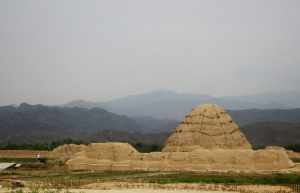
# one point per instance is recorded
(172, 105)
(148, 118)
(272, 133)
(250, 116)
(43, 123)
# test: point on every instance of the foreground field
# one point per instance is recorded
(60, 177)
(148, 191)
(54, 174)
(131, 191)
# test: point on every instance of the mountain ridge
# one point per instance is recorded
(39, 123)
(172, 105)
(40, 120)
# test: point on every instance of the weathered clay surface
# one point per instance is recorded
(207, 127)
(65, 152)
(197, 160)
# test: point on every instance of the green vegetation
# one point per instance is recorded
(76, 178)
(39, 146)
(294, 147)
(33, 163)
(296, 160)
(19, 160)
(218, 179)
(141, 147)
(258, 147)
(146, 148)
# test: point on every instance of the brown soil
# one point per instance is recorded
(22, 153)
(191, 187)
(129, 191)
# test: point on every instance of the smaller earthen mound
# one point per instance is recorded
(109, 151)
(208, 127)
(293, 155)
(65, 152)
(104, 156)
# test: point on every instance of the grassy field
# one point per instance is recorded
(225, 179)
(19, 160)
(296, 160)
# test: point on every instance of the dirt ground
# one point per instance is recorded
(145, 191)
(22, 153)
(2, 190)
(190, 187)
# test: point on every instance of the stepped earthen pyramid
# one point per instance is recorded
(208, 127)
(207, 139)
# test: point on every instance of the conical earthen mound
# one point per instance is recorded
(206, 127)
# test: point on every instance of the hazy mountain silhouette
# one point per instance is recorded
(45, 122)
(272, 133)
(250, 116)
(172, 105)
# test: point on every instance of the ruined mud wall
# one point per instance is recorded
(119, 156)
(207, 139)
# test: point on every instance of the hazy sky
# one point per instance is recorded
(59, 50)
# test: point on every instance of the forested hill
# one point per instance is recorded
(39, 122)
(272, 133)
(251, 116)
